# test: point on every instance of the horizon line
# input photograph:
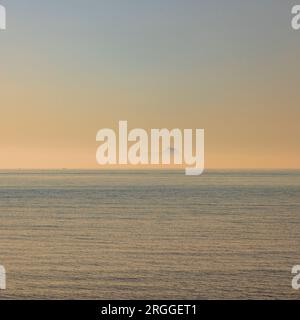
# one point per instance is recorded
(141, 169)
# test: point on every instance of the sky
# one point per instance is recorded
(69, 68)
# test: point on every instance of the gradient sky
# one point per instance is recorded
(69, 68)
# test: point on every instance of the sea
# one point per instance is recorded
(149, 234)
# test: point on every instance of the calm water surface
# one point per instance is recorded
(142, 235)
